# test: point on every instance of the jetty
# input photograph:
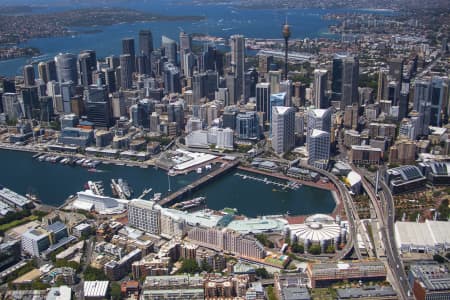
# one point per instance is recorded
(225, 168)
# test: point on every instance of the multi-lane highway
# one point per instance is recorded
(386, 218)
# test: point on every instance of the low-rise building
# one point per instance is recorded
(325, 274)
(367, 293)
(95, 290)
(365, 155)
(437, 173)
(427, 237)
(430, 281)
(404, 179)
(178, 287)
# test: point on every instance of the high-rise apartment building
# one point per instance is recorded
(319, 148)
(320, 85)
(145, 215)
(283, 129)
(263, 99)
(66, 67)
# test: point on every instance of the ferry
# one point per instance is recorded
(190, 204)
(125, 188)
(96, 187)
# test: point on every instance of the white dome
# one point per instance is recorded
(317, 228)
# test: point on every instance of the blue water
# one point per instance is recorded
(53, 183)
(221, 20)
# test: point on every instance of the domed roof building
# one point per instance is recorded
(317, 229)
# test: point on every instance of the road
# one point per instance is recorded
(386, 222)
(350, 211)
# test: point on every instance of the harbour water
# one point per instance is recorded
(220, 20)
(53, 183)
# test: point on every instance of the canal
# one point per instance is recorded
(53, 183)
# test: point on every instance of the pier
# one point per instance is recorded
(226, 166)
(288, 185)
(145, 192)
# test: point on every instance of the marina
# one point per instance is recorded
(52, 183)
(289, 185)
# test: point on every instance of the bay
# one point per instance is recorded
(53, 183)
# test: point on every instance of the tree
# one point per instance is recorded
(330, 249)
(298, 248)
(262, 238)
(315, 250)
(262, 273)
(206, 267)
(39, 285)
(60, 263)
(271, 293)
(189, 266)
(438, 258)
(91, 274)
(114, 291)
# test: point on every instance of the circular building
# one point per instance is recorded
(317, 229)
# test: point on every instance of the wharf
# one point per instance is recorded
(227, 166)
(320, 185)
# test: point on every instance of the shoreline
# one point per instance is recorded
(323, 186)
(290, 218)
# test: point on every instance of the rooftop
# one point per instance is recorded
(432, 276)
(95, 288)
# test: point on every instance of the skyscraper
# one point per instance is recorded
(110, 80)
(28, 75)
(145, 51)
(286, 87)
(319, 119)
(50, 70)
(145, 43)
(185, 47)
(98, 106)
(126, 73)
(128, 48)
(263, 99)
(439, 97)
(276, 100)
(199, 82)
(251, 79)
(350, 76)
(170, 49)
(30, 102)
(42, 72)
(66, 67)
(283, 129)
(87, 63)
(237, 43)
(345, 80)
(171, 79)
(247, 125)
(320, 85)
(319, 148)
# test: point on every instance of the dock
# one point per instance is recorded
(145, 192)
(225, 168)
(288, 185)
